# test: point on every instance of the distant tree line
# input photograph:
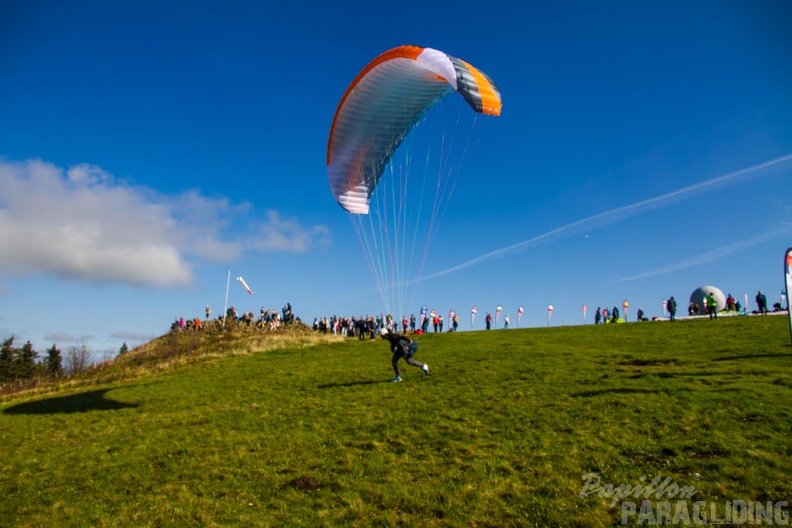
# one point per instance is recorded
(20, 364)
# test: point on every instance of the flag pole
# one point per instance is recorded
(225, 307)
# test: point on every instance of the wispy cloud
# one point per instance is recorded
(132, 336)
(66, 337)
(81, 223)
(710, 256)
(627, 211)
(283, 234)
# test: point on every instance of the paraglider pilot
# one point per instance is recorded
(402, 347)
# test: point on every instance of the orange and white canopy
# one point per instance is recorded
(381, 107)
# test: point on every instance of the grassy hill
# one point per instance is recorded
(245, 431)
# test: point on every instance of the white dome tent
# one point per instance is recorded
(702, 292)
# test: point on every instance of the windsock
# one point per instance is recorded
(520, 311)
(549, 313)
(241, 281)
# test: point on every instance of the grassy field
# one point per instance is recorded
(500, 434)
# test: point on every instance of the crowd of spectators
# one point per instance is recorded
(367, 326)
(268, 318)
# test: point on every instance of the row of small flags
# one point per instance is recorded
(625, 305)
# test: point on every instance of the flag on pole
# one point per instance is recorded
(788, 283)
(625, 305)
(665, 307)
(498, 310)
(520, 311)
(241, 281)
(473, 312)
(585, 309)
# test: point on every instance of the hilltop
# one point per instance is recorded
(233, 430)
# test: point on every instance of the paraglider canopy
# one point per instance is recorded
(382, 105)
(396, 132)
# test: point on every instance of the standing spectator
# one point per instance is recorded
(456, 322)
(440, 321)
(730, 303)
(761, 301)
(488, 320)
(208, 312)
(372, 329)
(597, 316)
(672, 307)
(506, 322)
(405, 322)
(412, 323)
(435, 323)
(712, 306)
(640, 314)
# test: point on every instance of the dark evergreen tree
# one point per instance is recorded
(54, 362)
(123, 350)
(25, 361)
(7, 360)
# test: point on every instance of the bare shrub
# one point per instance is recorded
(78, 359)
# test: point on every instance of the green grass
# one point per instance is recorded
(500, 434)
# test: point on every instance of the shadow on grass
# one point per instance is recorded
(755, 356)
(351, 384)
(622, 390)
(666, 375)
(74, 403)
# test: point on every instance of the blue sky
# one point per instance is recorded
(147, 148)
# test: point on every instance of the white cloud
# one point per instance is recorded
(278, 234)
(83, 224)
